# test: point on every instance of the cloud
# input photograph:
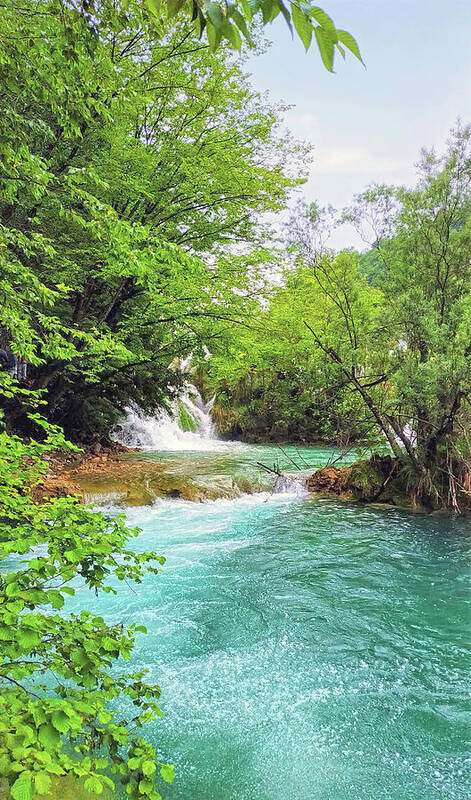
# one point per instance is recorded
(358, 161)
(303, 123)
(368, 158)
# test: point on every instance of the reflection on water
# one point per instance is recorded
(228, 471)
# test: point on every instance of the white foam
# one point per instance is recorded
(208, 510)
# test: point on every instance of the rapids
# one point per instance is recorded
(306, 649)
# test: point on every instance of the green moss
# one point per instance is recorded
(229, 421)
(185, 421)
(366, 478)
(378, 478)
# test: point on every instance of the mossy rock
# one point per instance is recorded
(185, 421)
(365, 478)
(369, 481)
(228, 421)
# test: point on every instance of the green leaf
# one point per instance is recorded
(22, 789)
(326, 48)
(48, 736)
(349, 42)
(57, 601)
(27, 732)
(155, 6)
(167, 772)
(15, 606)
(231, 33)
(241, 23)
(286, 15)
(174, 7)
(249, 8)
(61, 721)
(214, 37)
(12, 589)
(79, 657)
(270, 11)
(302, 25)
(215, 14)
(148, 767)
(93, 784)
(321, 17)
(42, 782)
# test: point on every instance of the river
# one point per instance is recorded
(307, 649)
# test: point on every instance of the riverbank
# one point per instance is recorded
(65, 469)
(111, 476)
(132, 477)
(378, 480)
(368, 481)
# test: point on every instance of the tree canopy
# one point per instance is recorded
(385, 359)
(142, 156)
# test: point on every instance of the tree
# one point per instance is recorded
(415, 378)
(55, 671)
(168, 145)
(69, 729)
(270, 382)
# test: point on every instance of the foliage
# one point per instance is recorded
(231, 21)
(59, 699)
(185, 421)
(371, 265)
(272, 384)
(410, 361)
(370, 348)
(127, 143)
(59, 713)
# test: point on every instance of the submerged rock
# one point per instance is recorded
(132, 479)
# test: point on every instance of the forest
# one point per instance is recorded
(151, 212)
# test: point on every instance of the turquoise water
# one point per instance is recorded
(226, 470)
(306, 650)
(234, 458)
(234, 464)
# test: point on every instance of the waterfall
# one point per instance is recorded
(188, 426)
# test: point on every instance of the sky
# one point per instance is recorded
(369, 125)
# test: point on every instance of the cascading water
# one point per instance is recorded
(188, 426)
(220, 468)
(211, 466)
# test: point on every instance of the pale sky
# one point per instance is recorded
(368, 125)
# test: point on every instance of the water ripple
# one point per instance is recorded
(307, 650)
